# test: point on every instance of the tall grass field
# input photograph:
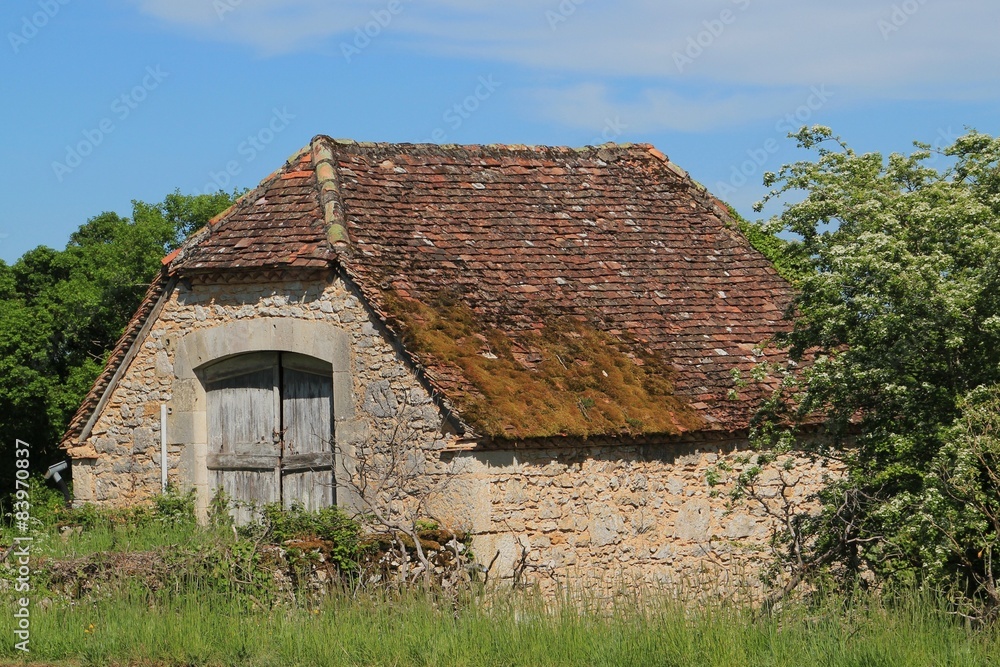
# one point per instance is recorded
(153, 588)
(185, 628)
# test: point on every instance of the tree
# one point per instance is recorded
(899, 323)
(786, 256)
(62, 311)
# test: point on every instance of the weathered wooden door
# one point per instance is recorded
(306, 411)
(270, 431)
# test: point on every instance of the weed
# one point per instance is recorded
(173, 508)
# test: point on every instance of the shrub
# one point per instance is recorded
(174, 508)
(331, 525)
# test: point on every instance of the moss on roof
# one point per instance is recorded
(569, 378)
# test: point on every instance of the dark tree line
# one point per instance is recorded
(61, 312)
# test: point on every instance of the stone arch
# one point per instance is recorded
(187, 420)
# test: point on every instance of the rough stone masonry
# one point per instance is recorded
(656, 513)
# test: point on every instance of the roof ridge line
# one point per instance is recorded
(671, 165)
(625, 146)
(329, 192)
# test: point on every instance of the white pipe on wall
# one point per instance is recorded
(163, 447)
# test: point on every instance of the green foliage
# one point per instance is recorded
(91, 517)
(197, 626)
(89, 553)
(953, 522)
(787, 256)
(187, 214)
(421, 525)
(174, 508)
(46, 505)
(168, 510)
(62, 311)
(330, 525)
(219, 514)
(299, 523)
(899, 318)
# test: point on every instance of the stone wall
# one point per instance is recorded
(119, 462)
(660, 514)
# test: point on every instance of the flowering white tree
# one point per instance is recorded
(899, 320)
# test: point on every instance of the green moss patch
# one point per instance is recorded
(568, 378)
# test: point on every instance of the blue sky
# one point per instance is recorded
(113, 100)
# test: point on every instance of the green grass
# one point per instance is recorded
(59, 532)
(196, 615)
(205, 628)
(126, 538)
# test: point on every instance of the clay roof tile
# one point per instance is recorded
(608, 262)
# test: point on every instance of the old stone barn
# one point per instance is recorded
(532, 344)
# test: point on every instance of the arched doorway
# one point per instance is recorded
(270, 430)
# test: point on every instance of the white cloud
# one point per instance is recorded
(889, 49)
(592, 105)
(781, 43)
(269, 26)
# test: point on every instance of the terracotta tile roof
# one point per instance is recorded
(540, 290)
(278, 224)
(615, 235)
